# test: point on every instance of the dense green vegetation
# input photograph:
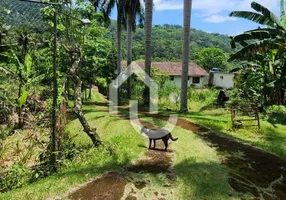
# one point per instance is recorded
(55, 128)
(262, 56)
(167, 42)
(84, 162)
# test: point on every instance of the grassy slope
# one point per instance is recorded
(271, 137)
(116, 133)
(198, 168)
(200, 175)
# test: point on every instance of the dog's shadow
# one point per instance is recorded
(155, 149)
(162, 150)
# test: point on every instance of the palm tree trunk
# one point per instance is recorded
(119, 37)
(129, 52)
(186, 50)
(90, 87)
(148, 39)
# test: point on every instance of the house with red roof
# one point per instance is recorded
(197, 76)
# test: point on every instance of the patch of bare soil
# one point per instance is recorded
(108, 187)
(252, 169)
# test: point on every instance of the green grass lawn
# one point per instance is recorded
(198, 168)
(271, 137)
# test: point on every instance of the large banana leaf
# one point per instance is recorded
(267, 13)
(252, 49)
(23, 98)
(28, 64)
(272, 31)
(246, 38)
(253, 16)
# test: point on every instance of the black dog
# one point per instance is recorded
(160, 134)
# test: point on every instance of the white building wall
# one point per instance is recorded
(177, 80)
(223, 80)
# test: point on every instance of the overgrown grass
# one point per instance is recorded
(122, 144)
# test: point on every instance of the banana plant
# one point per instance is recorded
(265, 46)
(25, 75)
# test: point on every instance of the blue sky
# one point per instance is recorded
(209, 15)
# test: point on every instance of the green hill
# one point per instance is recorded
(167, 42)
(20, 14)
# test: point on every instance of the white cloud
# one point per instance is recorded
(218, 19)
(215, 11)
(168, 4)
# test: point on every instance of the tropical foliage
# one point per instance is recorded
(262, 52)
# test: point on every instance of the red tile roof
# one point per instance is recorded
(174, 68)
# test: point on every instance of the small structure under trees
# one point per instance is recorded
(241, 115)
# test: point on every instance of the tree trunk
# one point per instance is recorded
(129, 52)
(55, 98)
(119, 34)
(66, 93)
(148, 39)
(90, 87)
(186, 50)
(78, 104)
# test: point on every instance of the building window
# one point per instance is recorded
(189, 77)
(171, 78)
(196, 80)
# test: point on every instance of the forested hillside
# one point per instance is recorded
(167, 42)
(22, 14)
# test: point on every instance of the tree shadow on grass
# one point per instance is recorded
(113, 162)
(278, 118)
(208, 180)
(275, 142)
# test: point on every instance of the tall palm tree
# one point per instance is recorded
(133, 9)
(185, 60)
(106, 7)
(148, 33)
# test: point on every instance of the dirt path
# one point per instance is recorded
(137, 181)
(252, 170)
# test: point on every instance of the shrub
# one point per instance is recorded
(276, 114)
(16, 177)
(207, 96)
